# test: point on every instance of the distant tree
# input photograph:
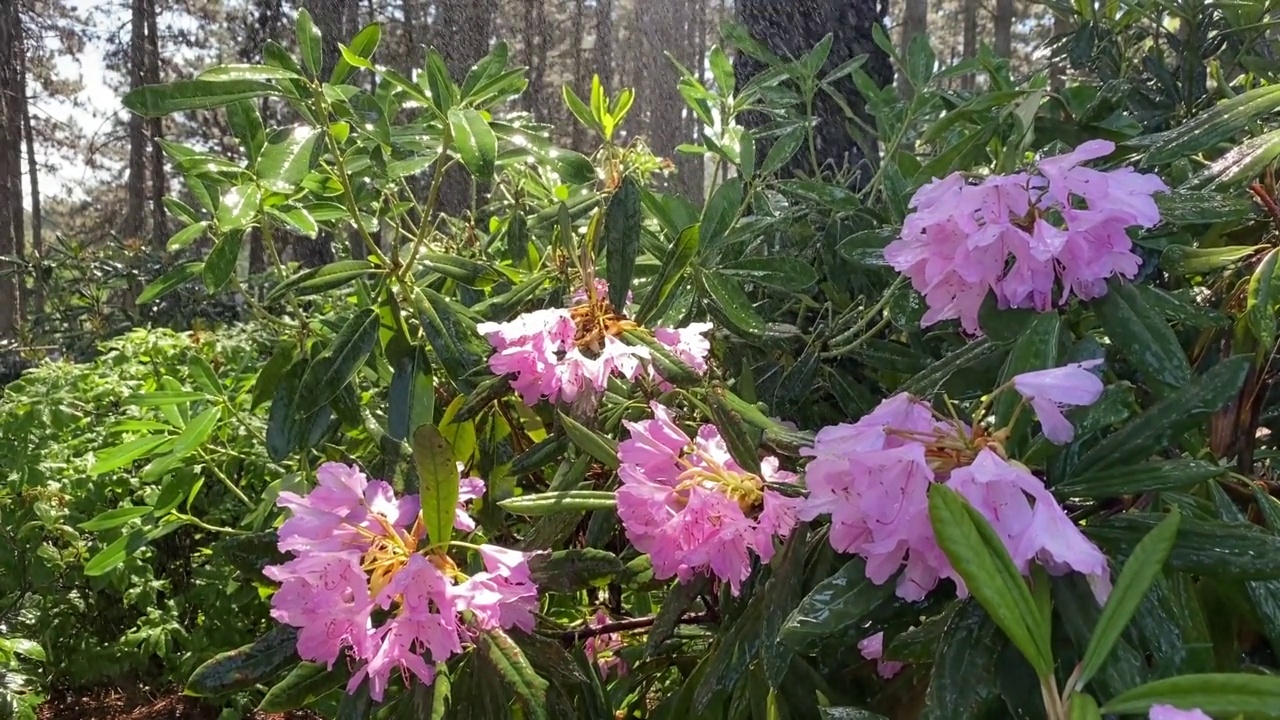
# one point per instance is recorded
(462, 35)
(915, 22)
(791, 28)
(13, 98)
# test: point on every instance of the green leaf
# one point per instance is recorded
(1153, 476)
(735, 308)
(317, 280)
(286, 159)
(1142, 336)
(983, 562)
(835, 606)
(1148, 433)
(1213, 693)
(600, 447)
(671, 273)
(783, 273)
(166, 283)
(677, 600)
(304, 684)
(239, 207)
(562, 501)
(1213, 126)
(196, 432)
(246, 666)
(475, 141)
(114, 518)
(186, 236)
(622, 240)
(157, 398)
(437, 482)
(459, 349)
(782, 150)
(516, 672)
(1140, 571)
(334, 368)
(309, 41)
(181, 95)
(1260, 308)
(1182, 207)
(1187, 260)
(126, 453)
(1241, 164)
(580, 109)
(463, 270)
(570, 571)
(247, 72)
(117, 552)
(720, 212)
(362, 47)
(412, 395)
(1203, 547)
(927, 381)
(734, 430)
(221, 263)
(1083, 707)
(1036, 349)
(962, 684)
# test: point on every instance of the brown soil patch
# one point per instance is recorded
(111, 704)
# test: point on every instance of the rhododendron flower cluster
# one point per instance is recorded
(873, 478)
(1048, 391)
(559, 353)
(692, 508)
(1026, 237)
(603, 649)
(358, 583)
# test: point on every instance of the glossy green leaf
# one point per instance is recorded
(1036, 349)
(171, 280)
(1260, 307)
(1186, 260)
(411, 396)
(126, 453)
(475, 142)
(246, 666)
(1213, 126)
(671, 273)
(182, 95)
(362, 47)
(574, 570)
(287, 157)
(732, 304)
(1218, 694)
(720, 212)
(309, 41)
(783, 273)
(782, 150)
(562, 501)
(437, 482)
(982, 561)
(927, 381)
(516, 672)
(458, 348)
(247, 72)
(1083, 707)
(962, 684)
(836, 605)
(1142, 336)
(1140, 571)
(1242, 164)
(674, 605)
(622, 240)
(186, 236)
(221, 263)
(598, 446)
(1203, 547)
(334, 368)
(304, 684)
(1146, 434)
(1152, 476)
(114, 518)
(117, 552)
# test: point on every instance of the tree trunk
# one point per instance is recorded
(580, 79)
(136, 184)
(970, 41)
(159, 228)
(791, 28)
(12, 97)
(915, 21)
(465, 28)
(1061, 26)
(35, 303)
(1004, 28)
(603, 49)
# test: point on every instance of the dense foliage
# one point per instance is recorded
(794, 451)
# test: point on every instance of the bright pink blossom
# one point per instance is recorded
(1048, 391)
(541, 352)
(1169, 712)
(603, 649)
(872, 648)
(358, 585)
(688, 505)
(873, 477)
(1062, 227)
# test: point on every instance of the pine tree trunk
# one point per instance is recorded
(463, 39)
(603, 49)
(136, 184)
(159, 227)
(35, 303)
(970, 42)
(1004, 28)
(915, 21)
(12, 229)
(791, 28)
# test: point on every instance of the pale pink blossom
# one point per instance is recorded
(1169, 712)
(688, 505)
(603, 649)
(1048, 391)
(1020, 236)
(872, 648)
(357, 585)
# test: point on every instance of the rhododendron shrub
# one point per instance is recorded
(1033, 239)
(363, 584)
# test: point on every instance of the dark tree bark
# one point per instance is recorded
(12, 226)
(970, 42)
(790, 28)
(33, 303)
(136, 184)
(1004, 28)
(266, 23)
(159, 227)
(580, 80)
(603, 49)
(915, 21)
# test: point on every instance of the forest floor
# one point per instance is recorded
(109, 704)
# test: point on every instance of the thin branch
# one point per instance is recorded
(571, 636)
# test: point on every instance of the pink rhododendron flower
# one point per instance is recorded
(469, 488)
(1060, 228)
(560, 353)
(872, 648)
(603, 649)
(358, 585)
(873, 477)
(1048, 391)
(1169, 712)
(692, 508)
